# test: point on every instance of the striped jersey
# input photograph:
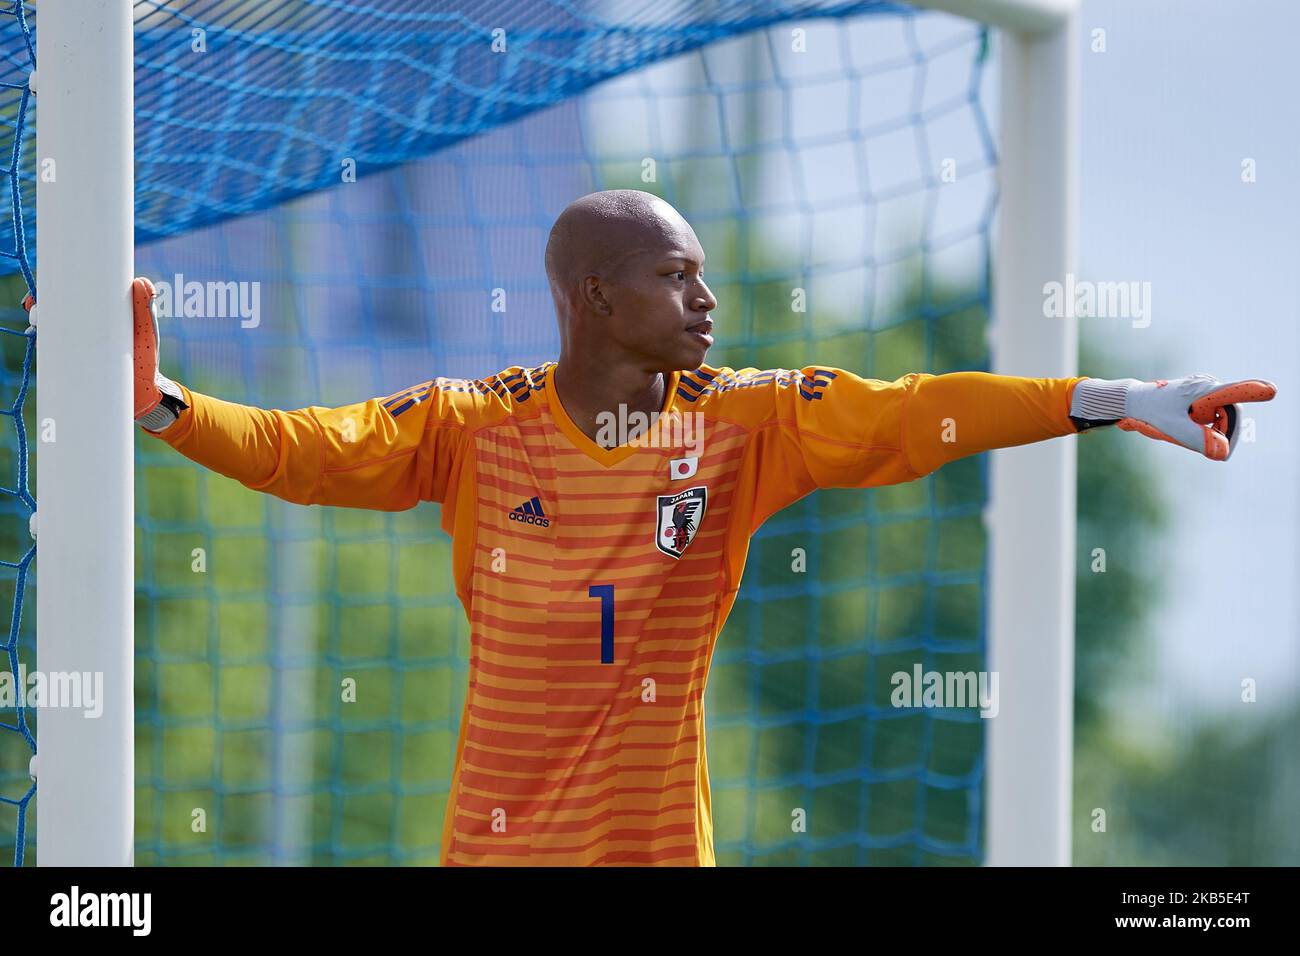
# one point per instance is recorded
(596, 579)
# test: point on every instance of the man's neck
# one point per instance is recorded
(588, 394)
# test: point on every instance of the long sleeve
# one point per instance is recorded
(951, 416)
(386, 454)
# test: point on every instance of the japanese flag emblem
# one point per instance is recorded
(680, 468)
(679, 518)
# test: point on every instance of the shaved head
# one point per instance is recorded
(627, 275)
(626, 272)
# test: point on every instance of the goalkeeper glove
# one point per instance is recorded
(158, 400)
(1198, 412)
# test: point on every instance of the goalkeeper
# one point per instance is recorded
(597, 570)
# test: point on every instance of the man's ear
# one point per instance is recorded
(593, 296)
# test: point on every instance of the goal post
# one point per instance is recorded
(1041, 18)
(84, 765)
(1031, 513)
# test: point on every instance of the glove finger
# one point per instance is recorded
(1228, 424)
(1203, 409)
(1218, 446)
(146, 346)
(1221, 434)
(1193, 440)
(1202, 439)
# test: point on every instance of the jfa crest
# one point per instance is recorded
(679, 518)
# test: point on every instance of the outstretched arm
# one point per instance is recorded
(997, 411)
(824, 427)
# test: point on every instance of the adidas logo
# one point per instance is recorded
(530, 512)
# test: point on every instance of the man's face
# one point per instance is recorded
(660, 302)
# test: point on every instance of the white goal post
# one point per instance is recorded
(85, 520)
(1031, 515)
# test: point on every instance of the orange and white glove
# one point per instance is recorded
(1198, 412)
(158, 400)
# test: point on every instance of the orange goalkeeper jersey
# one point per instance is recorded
(596, 580)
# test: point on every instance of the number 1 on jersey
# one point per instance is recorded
(606, 594)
